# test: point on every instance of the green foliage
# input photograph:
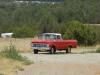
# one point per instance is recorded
(85, 34)
(12, 53)
(67, 18)
(24, 31)
(1, 74)
(98, 50)
(97, 30)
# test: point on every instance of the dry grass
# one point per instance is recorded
(9, 67)
(24, 44)
(84, 49)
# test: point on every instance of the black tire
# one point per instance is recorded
(35, 51)
(52, 50)
(68, 50)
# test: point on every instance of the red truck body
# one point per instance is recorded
(53, 44)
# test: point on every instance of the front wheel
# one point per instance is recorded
(68, 50)
(52, 50)
(35, 51)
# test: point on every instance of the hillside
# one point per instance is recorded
(43, 0)
(35, 0)
(28, 19)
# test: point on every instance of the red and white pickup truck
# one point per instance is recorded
(52, 42)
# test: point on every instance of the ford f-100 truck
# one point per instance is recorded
(52, 42)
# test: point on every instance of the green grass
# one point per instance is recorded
(1, 74)
(98, 50)
(12, 53)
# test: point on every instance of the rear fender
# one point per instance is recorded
(69, 46)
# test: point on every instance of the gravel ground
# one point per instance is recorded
(62, 64)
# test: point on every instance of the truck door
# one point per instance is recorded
(59, 42)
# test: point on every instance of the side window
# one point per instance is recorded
(55, 37)
(47, 36)
(58, 37)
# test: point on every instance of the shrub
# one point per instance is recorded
(98, 50)
(12, 52)
(1, 74)
(85, 34)
(24, 31)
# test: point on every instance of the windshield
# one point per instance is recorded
(49, 36)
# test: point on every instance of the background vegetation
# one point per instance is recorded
(69, 17)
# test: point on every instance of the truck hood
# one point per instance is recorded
(49, 41)
(41, 41)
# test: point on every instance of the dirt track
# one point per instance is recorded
(63, 64)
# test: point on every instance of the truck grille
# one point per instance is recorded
(40, 45)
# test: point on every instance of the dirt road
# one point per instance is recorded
(63, 64)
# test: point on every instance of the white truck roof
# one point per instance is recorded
(53, 33)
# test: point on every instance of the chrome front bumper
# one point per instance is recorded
(41, 48)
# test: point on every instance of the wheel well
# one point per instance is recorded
(70, 46)
(53, 46)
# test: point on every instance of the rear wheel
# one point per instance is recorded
(68, 50)
(35, 51)
(52, 50)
